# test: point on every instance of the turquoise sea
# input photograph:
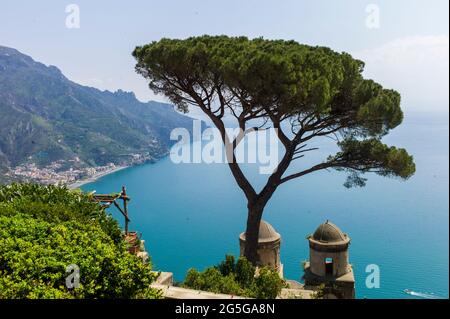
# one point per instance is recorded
(190, 215)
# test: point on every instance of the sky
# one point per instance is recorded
(405, 43)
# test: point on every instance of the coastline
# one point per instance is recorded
(95, 177)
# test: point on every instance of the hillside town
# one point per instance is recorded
(70, 172)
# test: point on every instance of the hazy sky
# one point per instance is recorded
(407, 48)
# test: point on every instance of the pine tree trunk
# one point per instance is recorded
(252, 234)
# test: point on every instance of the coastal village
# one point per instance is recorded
(70, 172)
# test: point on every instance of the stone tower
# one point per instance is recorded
(328, 262)
(269, 242)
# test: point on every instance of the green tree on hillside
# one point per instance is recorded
(45, 229)
(304, 92)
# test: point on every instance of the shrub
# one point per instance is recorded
(227, 266)
(245, 272)
(44, 229)
(56, 203)
(267, 284)
(236, 278)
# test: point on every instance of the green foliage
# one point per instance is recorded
(319, 293)
(267, 284)
(236, 278)
(45, 116)
(227, 266)
(55, 204)
(315, 90)
(43, 230)
(245, 272)
(212, 280)
(372, 156)
(300, 78)
(327, 291)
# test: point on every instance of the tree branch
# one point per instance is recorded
(307, 171)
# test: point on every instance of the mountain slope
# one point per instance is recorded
(44, 117)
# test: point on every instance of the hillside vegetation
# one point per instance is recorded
(44, 229)
(44, 117)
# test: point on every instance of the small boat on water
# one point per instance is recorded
(421, 294)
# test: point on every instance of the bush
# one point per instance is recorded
(44, 229)
(56, 204)
(227, 266)
(245, 272)
(212, 280)
(236, 278)
(267, 284)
